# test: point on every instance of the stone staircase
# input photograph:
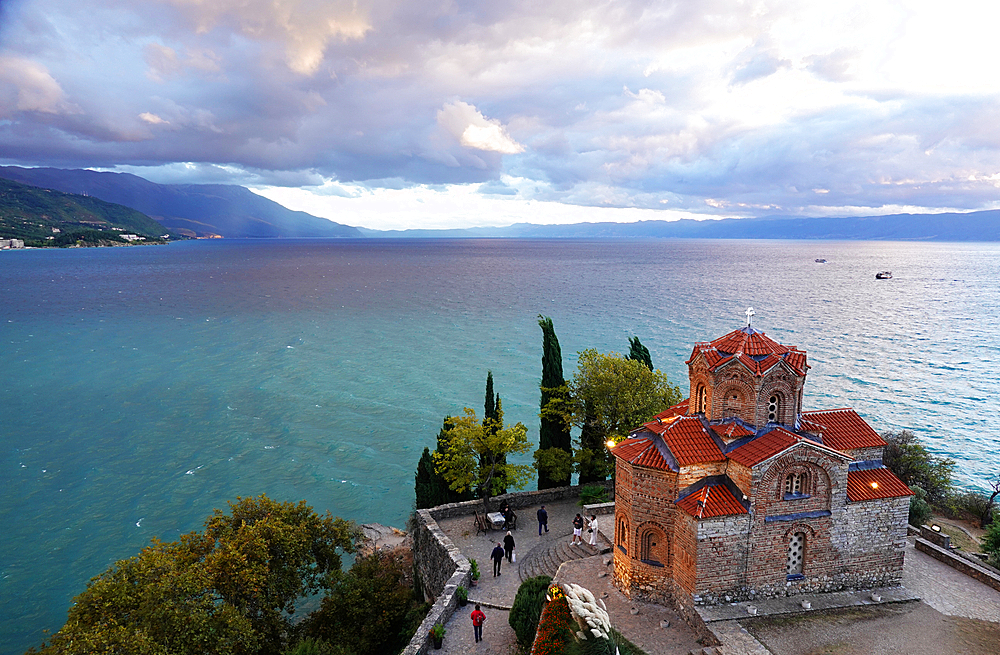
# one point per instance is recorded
(545, 557)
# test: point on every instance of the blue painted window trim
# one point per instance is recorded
(651, 562)
(622, 548)
(797, 496)
(796, 517)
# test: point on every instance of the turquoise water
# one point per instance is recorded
(142, 387)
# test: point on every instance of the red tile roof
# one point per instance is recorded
(732, 430)
(642, 451)
(744, 345)
(874, 484)
(688, 440)
(765, 447)
(841, 429)
(680, 409)
(713, 500)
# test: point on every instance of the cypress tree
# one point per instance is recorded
(639, 353)
(430, 487)
(552, 433)
(493, 415)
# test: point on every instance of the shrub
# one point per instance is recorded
(527, 608)
(554, 629)
(916, 466)
(593, 494)
(920, 510)
(991, 541)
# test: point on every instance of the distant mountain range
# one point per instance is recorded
(235, 212)
(200, 210)
(973, 226)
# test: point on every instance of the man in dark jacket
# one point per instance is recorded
(508, 546)
(543, 520)
(497, 557)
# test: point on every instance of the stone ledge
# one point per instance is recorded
(599, 508)
(960, 564)
(793, 604)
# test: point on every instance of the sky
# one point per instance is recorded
(394, 114)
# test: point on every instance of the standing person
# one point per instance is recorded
(508, 546)
(593, 529)
(577, 529)
(497, 557)
(477, 623)
(543, 520)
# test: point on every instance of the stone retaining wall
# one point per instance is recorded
(441, 565)
(960, 564)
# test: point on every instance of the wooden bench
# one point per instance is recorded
(482, 523)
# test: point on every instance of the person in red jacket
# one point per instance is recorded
(477, 622)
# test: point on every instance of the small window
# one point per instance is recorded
(701, 399)
(647, 548)
(797, 484)
(796, 554)
(774, 408)
(621, 535)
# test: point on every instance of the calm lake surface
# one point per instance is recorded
(142, 387)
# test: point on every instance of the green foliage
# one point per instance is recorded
(474, 569)
(991, 541)
(916, 466)
(461, 593)
(553, 464)
(365, 609)
(310, 646)
(593, 494)
(438, 631)
(920, 509)
(527, 608)
(30, 213)
(476, 456)
(231, 589)
(639, 353)
(493, 420)
(617, 645)
(430, 487)
(552, 433)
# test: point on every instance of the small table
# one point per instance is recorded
(495, 519)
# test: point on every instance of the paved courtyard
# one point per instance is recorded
(957, 614)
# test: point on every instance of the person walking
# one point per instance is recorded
(543, 520)
(508, 546)
(497, 557)
(477, 623)
(593, 529)
(577, 529)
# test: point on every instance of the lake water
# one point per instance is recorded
(142, 387)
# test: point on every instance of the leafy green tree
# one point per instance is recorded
(475, 456)
(527, 608)
(430, 487)
(912, 463)
(493, 418)
(608, 397)
(552, 432)
(365, 612)
(639, 353)
(230, 589)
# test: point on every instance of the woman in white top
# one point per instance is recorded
(593, 529)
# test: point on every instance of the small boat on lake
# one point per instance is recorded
(820, 261)
(883, 275)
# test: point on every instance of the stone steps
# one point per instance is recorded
(545, 558)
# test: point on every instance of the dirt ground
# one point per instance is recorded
(913, 628)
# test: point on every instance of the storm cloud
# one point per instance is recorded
(721, 108)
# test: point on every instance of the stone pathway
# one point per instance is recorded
(947, 590)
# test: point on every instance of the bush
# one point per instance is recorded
(527, 608)
(593, 494)
(991, 542)
(916, 466)
(920, 510)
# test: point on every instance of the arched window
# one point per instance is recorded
(774, 408)
(733, 405)
(621, 535)
(796, 553)
(797, 484)
(701, 400)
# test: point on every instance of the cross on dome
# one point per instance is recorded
(750, 314)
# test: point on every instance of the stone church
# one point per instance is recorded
(739, 492)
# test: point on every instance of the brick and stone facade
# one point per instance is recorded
(738, 493)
